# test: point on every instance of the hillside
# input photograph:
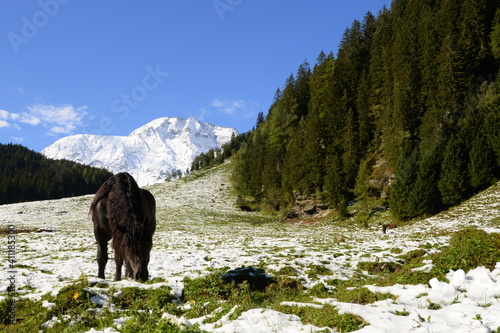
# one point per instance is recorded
(26, 175)
(200, 233)
(407, 111)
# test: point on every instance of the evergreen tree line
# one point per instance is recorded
(28, 176)
(218, 155)
(412, 93)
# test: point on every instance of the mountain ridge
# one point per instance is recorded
(150, 153)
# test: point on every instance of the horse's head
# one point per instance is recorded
(137, 255)
(138, 262)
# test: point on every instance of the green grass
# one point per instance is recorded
(206, 294)
(468, 249)
(327, 316)
(133, 298)
(218, 292)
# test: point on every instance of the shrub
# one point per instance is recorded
(468, 249)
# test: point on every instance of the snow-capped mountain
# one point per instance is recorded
(150, 153)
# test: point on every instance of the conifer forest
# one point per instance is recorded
(407, 113)
(27, 176)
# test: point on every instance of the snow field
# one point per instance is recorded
(200, 230)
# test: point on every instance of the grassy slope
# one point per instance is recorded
(200, 231)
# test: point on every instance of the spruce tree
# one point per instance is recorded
(362, 188)
(481, 163)
(425, 197)
(350, 144)
(489, 106)
(400, 192)
(495, 37)
(302, 90)
(296, 165)
(335, 187)
(320, 126)
(453, 182)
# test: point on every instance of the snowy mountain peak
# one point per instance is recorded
(150, 153)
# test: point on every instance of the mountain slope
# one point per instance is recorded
(26, 175)
(200, 231)
(151, 153)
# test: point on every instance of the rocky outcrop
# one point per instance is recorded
(307, 207)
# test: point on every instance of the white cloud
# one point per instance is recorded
(16, 90)
(59, 119)
(5, 116)
(27, 118)
(228, 107)
(238, 108)
(62, 119)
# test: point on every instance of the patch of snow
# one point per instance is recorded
(263, 321)
(199, 230)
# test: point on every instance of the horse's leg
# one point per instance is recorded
(102, 235)
(119, 263)
(129, 273)
(102, 257)
(102, 239)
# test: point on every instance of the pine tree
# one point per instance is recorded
(453, 183)
(27, 175)
(403, 86)
(260, 119)
(351, 155)
(481, 164)
(320, 127)
(400, 192)
(335, 187)
(474, 40)
(495, 37)
(296, 166)
(489, 107)
(425, 197)
(248, 170)
(272, 177)
(302, 90)
(366, 121)
(362, 188)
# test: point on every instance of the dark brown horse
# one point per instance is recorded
(125, 213)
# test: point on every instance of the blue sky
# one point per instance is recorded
(109, 67)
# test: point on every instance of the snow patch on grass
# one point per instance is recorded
(200, 231)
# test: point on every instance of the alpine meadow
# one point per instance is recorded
(366, 199)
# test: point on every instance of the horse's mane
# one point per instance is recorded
(124, 184)
(124, 205)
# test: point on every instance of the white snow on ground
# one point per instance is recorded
(199, 228)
